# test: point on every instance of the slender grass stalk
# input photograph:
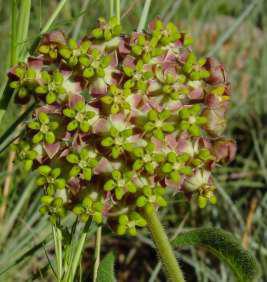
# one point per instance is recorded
(13, 43)
(53, 16)
(7, 183)
(97, 252)
(58, 251)
(164, 248)
(111, 8)
(15, 213)
(77, 256)
(233, 27)
(23, 25)
(118, 10)
(144, 15)
(80, 20)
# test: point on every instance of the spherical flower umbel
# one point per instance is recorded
(120, 121)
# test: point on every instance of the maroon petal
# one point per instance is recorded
(100, 126)
(54, 37)
(98, 87)
(36, 62)
(217, 72)
(224, 150)
(103, 166)
(51, 149)
(74, 99)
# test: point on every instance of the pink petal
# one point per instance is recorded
(51, 149)
(74, 99)
(98, 87)
(36, 62)
(55, 37)
(103, 166)
(100, 126)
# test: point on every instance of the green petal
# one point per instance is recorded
(138, 164)
(109, 185)
(72, 158)
(119, 192)
(87, 174)
(56, 172)
(69, 113)
(159, 134)
(34, 125)
(50, 137)
(107, 142)
(84, 126)
(72, 125)
(75, 170)
(60, 183)
(50, 98)
(116, 151)
(141, 201)
(175, 176)
(37, 138)
(44, 169)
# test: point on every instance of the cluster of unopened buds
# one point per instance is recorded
(122, 122)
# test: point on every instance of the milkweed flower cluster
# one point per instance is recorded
(120, 120)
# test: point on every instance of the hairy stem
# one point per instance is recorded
(97, 252)
(164, 248)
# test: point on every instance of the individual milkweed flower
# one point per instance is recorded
(45, 128)
(53, 206)
(26, 153)
(158, 124)
(151, 197)
(147, 158)
(121, 183)
(74, 53)
(198, 150)
(191, 119)
(107, 29)
(96, 64)
(82, 116)
(118, 141)
(25, 81)
(138, 74)
(116, 99)
(83, 163)
(201, 183)
(175, 165)
(51, 87)
(128, 223)
(50, 179)
(50, 44)
(224, 150)
(164, 35)
(90, 207)
(215, 121)
(195, 68)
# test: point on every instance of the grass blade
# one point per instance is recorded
(233, 28)
(144, 16)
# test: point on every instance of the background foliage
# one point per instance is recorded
(233, 31)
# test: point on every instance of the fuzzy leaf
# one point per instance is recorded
(226, 247)
(106, 269)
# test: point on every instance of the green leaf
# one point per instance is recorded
(226, 247)
(106, 269)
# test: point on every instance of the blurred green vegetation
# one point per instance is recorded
(236, 33)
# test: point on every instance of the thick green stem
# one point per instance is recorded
(163, 247)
